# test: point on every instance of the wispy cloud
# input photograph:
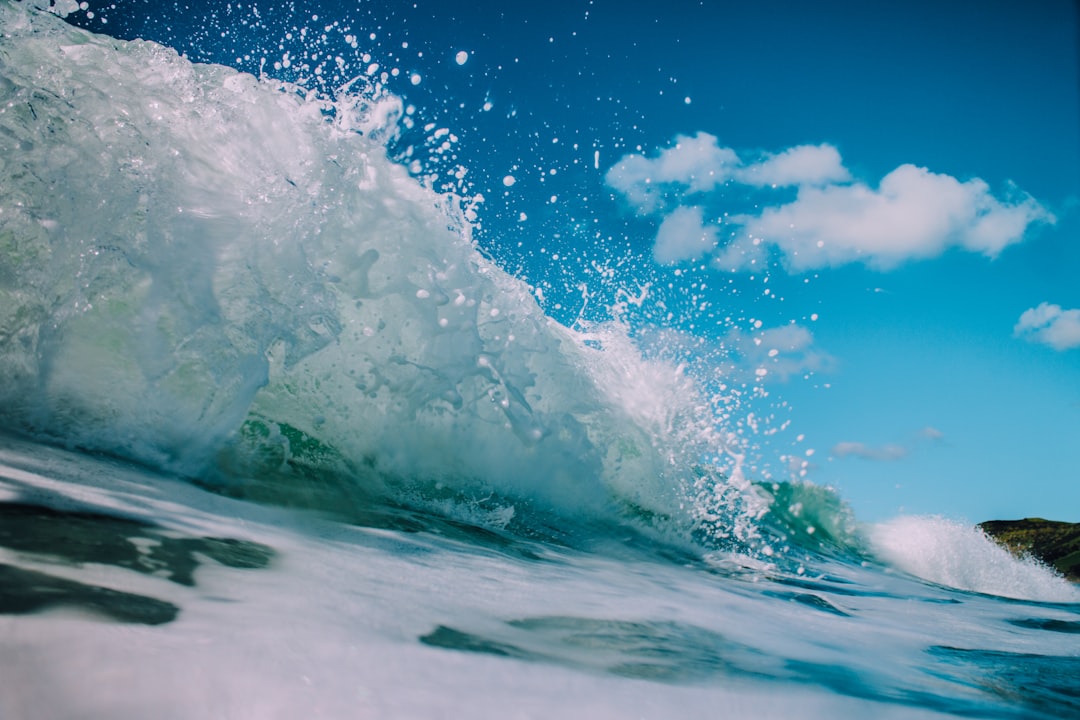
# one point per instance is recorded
(932, 434)
(832, 220)
(1050, 325)
(886, 453)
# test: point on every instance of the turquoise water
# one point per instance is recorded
(284, 438)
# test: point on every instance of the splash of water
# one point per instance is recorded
(228, 278)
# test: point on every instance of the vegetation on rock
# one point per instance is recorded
(1055, 543)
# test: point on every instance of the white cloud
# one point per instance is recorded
(885, 453)
(800, 165)
(931, 433)
(694, 164)
(913, 213)
(683, 235)
(1050, 325)
(890, 452)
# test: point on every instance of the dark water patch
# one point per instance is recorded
(23, 592)
(665, 652)
(824, 585)
(820, 586)
(89, 536)
(848, 589)
(231, 552)
(1042, 685)
(810, 600)
(1072, 607)
(403, 519)
(838, 678)
(849, 682)
(451, 639)
(836, 580)
(1060, 626)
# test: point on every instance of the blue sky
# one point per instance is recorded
(927, 351)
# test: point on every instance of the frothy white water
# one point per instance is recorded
(227, 278)
(960, 556)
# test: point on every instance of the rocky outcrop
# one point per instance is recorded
(1055, 543)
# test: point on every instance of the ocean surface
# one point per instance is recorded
(285, 433)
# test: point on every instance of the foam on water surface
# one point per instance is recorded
(345, 620)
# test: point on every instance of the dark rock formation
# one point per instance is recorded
(1055, 543)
